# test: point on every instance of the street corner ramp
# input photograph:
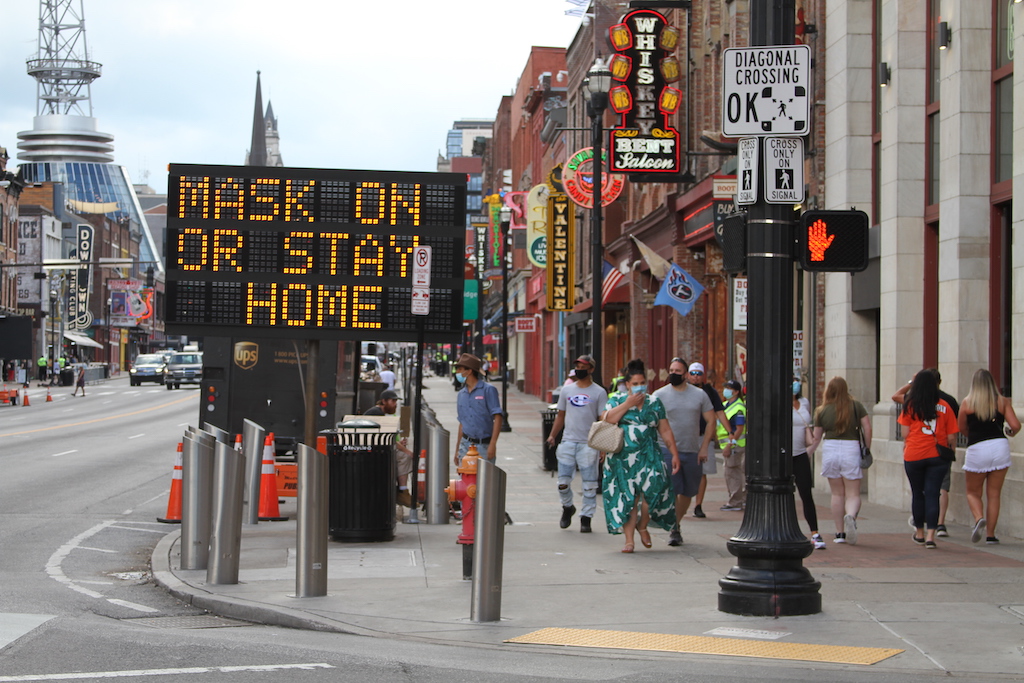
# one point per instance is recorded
(706, 645)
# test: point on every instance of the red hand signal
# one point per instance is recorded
(818, 240)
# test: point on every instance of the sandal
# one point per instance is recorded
(628, 548)
(645, 537)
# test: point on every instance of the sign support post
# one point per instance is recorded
(769, 578)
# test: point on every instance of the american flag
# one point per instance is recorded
(612, 277)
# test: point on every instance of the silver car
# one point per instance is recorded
(149, 367)
(183, 368)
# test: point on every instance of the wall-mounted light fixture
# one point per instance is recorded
(884, 74)
(944, 35)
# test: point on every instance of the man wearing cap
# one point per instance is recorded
(479, 410)
(734, 446)
(685, 406)
(387, 404)
(695, 376)
(579, 406)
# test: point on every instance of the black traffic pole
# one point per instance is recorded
(598, 103)
(506, 254)
(769, 578)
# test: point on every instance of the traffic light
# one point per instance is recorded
(150, 276)
(833, 241)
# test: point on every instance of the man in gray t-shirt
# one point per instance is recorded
(685, 405)
(580, 404)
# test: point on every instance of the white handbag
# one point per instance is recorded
(605, 437)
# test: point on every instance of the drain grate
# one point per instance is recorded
(662, 642)
(196, 621)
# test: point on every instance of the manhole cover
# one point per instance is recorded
(197, 621)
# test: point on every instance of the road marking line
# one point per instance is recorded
(64, 453)
(97, 583)
(131, 528)
(99, 550)
(106, 402)
(136, 436)
(53, 565)
(104, 419)
(133, 605)
(163, 672)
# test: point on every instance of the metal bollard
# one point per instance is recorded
(253, 436)
(312, 526)
(219, 434)
(226, 522)
(438, 465)
(489, 548)
(197, 452)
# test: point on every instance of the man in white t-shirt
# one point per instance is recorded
(685, 404)
(579, 406)
(388, 377)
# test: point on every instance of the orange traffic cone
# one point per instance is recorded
(24, 399)
(49, 399)
(421, 478)
(269, 511)
(238, 442)
(174, 499)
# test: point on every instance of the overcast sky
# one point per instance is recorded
(360, 85)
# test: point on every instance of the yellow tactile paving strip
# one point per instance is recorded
(706, 645)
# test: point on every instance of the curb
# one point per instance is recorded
(233, 608)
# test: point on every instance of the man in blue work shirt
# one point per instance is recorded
(479, 410)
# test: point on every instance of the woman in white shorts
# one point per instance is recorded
(838, 420)
(987, 418)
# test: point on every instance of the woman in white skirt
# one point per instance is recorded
(987, 418)
(839, 419)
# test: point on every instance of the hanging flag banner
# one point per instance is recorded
(679, 290)
(645, 66)
(561, 247)
(537, 225)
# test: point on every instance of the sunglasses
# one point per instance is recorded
(696, 374)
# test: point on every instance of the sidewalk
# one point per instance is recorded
(958, 608)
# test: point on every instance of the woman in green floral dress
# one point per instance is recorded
(635, 480)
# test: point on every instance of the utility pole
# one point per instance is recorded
(769, 578)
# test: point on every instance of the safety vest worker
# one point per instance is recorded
(736, 412)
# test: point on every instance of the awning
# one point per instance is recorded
(81, 340)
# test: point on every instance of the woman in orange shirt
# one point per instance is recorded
(930, 422)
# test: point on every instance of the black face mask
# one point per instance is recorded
(582, 374)
(675, 379)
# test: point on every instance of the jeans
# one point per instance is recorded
(573, 454)
(925, 478)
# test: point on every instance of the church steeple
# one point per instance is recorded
(258, 147)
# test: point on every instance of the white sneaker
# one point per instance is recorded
(819, 544)
(850, 526)
(840, 538)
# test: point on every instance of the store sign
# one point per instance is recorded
(645, 66)
(561, 248)
(739, 303)
(129, 302)
(578, 179)
(526, 324)
(312, 253)
(80, 280)
(537, 225)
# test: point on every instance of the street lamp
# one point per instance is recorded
(598, 83)
(54, 298)
(506, 219)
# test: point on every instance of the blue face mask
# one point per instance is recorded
(796, 388)
(638, 389)
(727, 392)
(460, 378)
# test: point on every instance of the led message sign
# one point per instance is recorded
(312, 253)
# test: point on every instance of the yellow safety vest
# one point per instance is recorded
(732, 409)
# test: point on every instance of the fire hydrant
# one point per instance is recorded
(464, 491)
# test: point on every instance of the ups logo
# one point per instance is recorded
(247, 354)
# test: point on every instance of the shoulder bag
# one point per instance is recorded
(605, 437)
(866, 459)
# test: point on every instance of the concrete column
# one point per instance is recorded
(964, 190)
(849, 79)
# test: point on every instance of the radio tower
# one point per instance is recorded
(64, 128)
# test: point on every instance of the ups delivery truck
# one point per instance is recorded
(263, 380)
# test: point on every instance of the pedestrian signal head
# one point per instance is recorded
(833, 241)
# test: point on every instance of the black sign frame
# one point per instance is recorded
(303, 253)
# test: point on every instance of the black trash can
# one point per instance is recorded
(67, 377)
(550, 459)
(362, 481)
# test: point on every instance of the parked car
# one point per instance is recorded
(183, 368)
(371, 369)
(148, 367)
